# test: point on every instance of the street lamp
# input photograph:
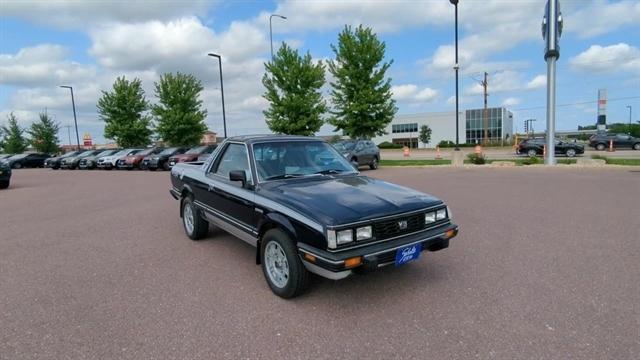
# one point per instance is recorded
(271, 30)
(73, 103)
(224, 118)
(456, 68)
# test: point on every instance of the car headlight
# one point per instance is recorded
(344, 236)
(364, 233)
(441, 214)
(429, 217)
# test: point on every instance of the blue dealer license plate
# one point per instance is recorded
(408, 253)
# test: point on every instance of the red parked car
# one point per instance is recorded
(135, 161)
(192, 154)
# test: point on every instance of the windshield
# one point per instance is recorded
(280, 160)
(86, 153)
(107, 153)
(145, 152)
(196, 150)
(168, 151)
(345, 145)
(122, 152)
(73, 153)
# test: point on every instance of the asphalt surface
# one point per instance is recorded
(95, 265)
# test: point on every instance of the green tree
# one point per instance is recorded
(293, 87)
(179, 113)
(624, 128)
(14, 140)
(425, 134)
(44, 134)
(124, 112)
(361, 95)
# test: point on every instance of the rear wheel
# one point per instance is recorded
(194, 225)
(636, 146)
(570, 153)
(374, 163)
(532, 152)
(166, 167)
(286, 275)
(17, 165)
(600, 147)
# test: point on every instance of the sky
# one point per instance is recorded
(88, 44)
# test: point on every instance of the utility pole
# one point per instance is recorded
(551, 31)
(485, 118)
(68, 132)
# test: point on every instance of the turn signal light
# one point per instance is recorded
(353, 262)
(451, 233)
(310, 258)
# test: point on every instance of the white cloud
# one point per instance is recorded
(607, 59)
(510, 101)
(602, 17)
(41, 64)
(80, 14)
(410, 93)
(537, 82)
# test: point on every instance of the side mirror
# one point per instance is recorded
(238, 175)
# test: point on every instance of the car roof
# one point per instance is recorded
(271, 137)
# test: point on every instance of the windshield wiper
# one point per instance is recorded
(330, 171)
(284, 176)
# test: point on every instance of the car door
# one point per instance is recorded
(623, 141)
(229, 201)
(361, 153)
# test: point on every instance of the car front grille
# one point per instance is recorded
(390, 228)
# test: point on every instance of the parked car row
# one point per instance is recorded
(129, 159)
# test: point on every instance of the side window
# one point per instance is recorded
(235, 157)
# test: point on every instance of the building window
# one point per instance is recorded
(404, 128)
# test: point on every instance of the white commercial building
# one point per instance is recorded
(405, 129)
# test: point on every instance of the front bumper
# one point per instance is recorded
(332, 264)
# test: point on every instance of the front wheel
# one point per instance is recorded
(194, 225)
(17, 165)
(636, 146)
(374, 163)
(532, 153)
(286, 275)
(166, 166)
(600, 147)
(4, 184)
(570, 153)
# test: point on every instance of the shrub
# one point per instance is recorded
(388, 145)
(532, 160)
(478, 159)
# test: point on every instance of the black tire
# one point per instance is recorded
(199, 227)
(600, 147)
(166, 166)
(636, 146)
(532, 152)
(298, 276)
(374, 163)
(4, 184)
(17, 165)
(140, 166)
(570, 153)
(152, 169)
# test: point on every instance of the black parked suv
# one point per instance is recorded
(360, 152)
(5, 175)
(601, 141)
(33, 160)
(534, 147)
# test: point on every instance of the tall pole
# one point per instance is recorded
(629, 106)
(271, 30)
(485, 117)
(456, 68)
(551, 31)
(75, 120)
(224, 117)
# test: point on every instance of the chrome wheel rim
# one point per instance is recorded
(571, 152)
(531, 153)
(276, 264)
(188, 218)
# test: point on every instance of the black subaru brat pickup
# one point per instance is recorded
(306, 209)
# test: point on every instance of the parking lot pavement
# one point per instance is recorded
(95, 265)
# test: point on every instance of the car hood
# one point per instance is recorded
(346, 199)
(185, 156)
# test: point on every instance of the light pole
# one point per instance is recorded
(73, 103)
(224, 118)
(629, 106)
(271, 30)
(456, 67)
(551, 32)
